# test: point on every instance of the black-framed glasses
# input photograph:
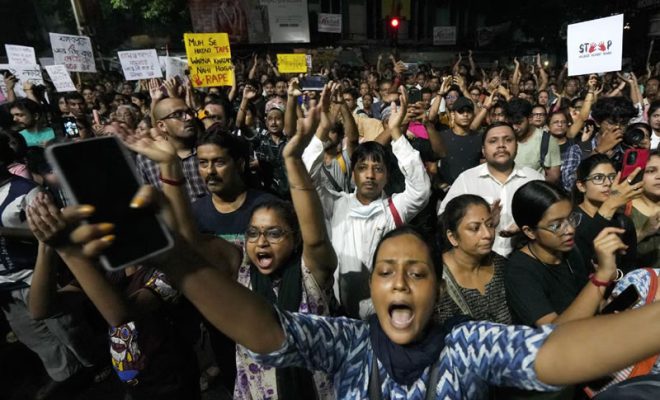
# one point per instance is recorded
(272, 235)
(180, 114)
(560, 227)
(599, 179)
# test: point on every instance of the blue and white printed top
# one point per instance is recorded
(476, 354)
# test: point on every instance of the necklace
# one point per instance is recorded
(529, 247)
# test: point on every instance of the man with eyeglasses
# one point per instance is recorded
(536, 149)
(612, 115)
(496, 181)
(176, 122)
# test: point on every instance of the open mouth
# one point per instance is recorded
(401, 315)
(264, 260)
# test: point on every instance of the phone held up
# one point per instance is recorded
(99, 172)
(633, 158)
(71, 129)
(625, 300)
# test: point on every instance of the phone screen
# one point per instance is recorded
(626, 299)
(70, 127)
(633, 158)
(314, 83)
(99, 172)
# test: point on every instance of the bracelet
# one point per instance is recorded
(171, 182)
(597, 283)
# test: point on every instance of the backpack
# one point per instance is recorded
(545, 145)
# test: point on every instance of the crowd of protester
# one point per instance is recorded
(444, 232)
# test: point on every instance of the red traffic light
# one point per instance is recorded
(394, 22)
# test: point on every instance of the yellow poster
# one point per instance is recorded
(209, 58)
(291, 63)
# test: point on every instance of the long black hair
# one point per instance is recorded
(455, 211)
(532, 200)
(584, 170)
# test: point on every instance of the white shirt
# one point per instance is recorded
(655, 140)
(479, 181)
(355, 229)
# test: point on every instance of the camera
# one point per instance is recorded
(634, 137)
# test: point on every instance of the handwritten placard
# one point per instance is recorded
(291, 63)
(174, 66)
(21, 55)
(61, 78)
(74, 52)
(209, 58)
(140, 64)
(23, 73)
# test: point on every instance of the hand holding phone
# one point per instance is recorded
(625, 300)
(70, 127)
(99, 172)
(633, 159)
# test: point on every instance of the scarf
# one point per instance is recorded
(292, 382)
(406, 364)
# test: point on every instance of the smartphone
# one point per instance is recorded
(70, 127)
(314, 83)
(100, 172)
(414, 95)
(633, 158)
(625, 300)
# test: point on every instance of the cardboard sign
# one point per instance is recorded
(288, 21)
(74, 52)
(330, 23)
(595, 46)
(291, 63)
(209, 58)
(444, 35)
(140, 64)
(23, 73)
(175, 66)
(20, 55)
(61, 78)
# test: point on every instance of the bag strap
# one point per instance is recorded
(332, 180)
(644, 367)
(342, 163)
(454, 292)
(545, 145)
(374, 381)
(398, 222)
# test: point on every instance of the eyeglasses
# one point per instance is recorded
(451, 97)
(180, 115)
(272, 235)
(560, 227)
(599, 179)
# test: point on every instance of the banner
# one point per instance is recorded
(595, 46)
(292, 63)
(253, 21)
(140, 64)
(209, 58)
(23, 73)
(21, 55)
(444, 35)
(330, 23)
(75, 52)
(61, 78)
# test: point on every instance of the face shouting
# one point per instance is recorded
(404, 288)
(269, 241)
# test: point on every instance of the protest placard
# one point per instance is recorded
(74, 52)
(20, 55)
(444, 35)
(61, 78)
(595, 46)
(140, 64)
(329, 23)
(291, 63)
(23, 73)
(209, 58)
(175, 66)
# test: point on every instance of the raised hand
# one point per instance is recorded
(306, 127)
(249, 92)
(294, 88)
(154, 89)
(10, 81)
(398, 112)
(606, 245)
(155, 146)
(172, 87)
(623, 192)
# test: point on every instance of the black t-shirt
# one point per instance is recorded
(230, 226)
(534, 289)
(463, 153)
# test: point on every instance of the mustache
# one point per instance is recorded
(213, 178)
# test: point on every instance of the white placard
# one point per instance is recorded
(74, 52)
(330, 23)
(288, 21)
(46, 61)
(444, 35)
(175, 66)
(140, 64)
(61, 78)
(23, 73)
(595, 46)
(20, 55)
